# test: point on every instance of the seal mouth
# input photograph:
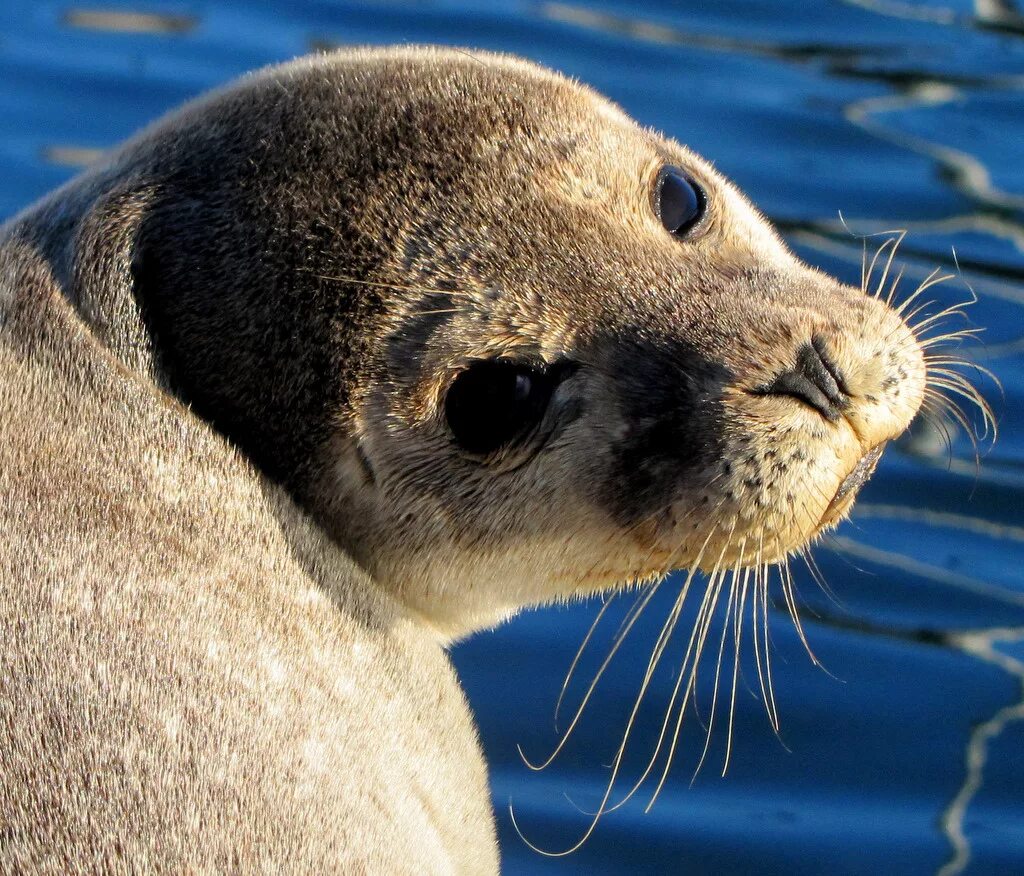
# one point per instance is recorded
(851, 485)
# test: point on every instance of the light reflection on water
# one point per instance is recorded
(907, 755)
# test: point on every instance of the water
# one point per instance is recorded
(907, 755)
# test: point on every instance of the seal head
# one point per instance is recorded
(506, 345)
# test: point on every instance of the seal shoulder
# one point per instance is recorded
(178, 635)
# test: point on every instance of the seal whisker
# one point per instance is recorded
(615, 767)
(932, 414)
(620, 630)
(433, 312)
(890, 243)
(620, 635)
(950, 312)
(718, 663)
(956, 383)
(664, 637)
(945, 357)
(760, 582)
(942, 372)
(381, 284)
(863, 264)
(949, 337)
(590, 690)
(935, 278)
(897, 240)
(759, 606)
(788, 591)
(626, 624)
(737, 641)
(909, 318)
(951, 408)
(773, 711)
(690, 659)
(586, 640)
(694, 648)
(957, 308)
(944, 377)
(626, 618)
(660, 645)
(944, 367)
(819, 577)
(607, 601)
(894, 285)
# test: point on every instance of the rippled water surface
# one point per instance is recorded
(906, 754)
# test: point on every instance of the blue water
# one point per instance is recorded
(906, 753)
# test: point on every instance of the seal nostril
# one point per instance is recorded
(816, 381)
(825, 358)
(798, 386)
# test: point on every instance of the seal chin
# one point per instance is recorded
(850, 486)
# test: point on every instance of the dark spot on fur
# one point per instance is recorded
(238, 283)
(668, 397)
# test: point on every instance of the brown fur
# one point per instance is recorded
(201, 677)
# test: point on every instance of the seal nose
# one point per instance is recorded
(816, 381)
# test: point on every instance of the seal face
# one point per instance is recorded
(584, 357)
(506, 345)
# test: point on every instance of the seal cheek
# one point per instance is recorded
(671, 410)
(647, 467)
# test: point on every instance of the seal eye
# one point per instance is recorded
(678, 201)
(494, 402)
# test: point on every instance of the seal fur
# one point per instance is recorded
(306, 261)
(194, 678)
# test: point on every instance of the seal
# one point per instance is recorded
(345, 361)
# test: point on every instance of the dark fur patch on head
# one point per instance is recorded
(670, 401)
(239, 288)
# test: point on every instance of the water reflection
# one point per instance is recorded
(125, 21)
